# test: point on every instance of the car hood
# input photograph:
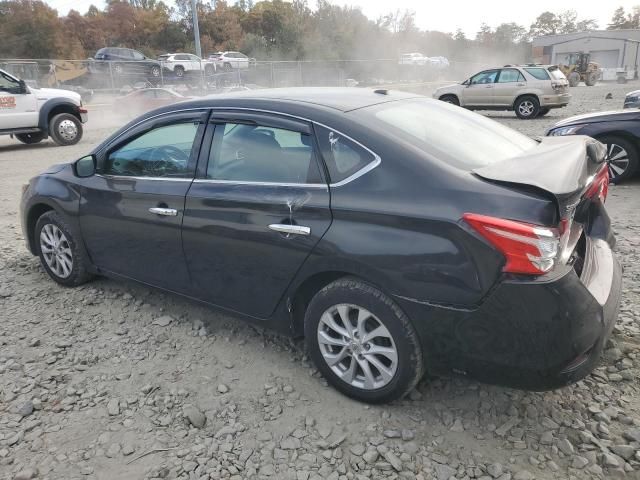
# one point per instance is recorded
(452, 88)
(48, 93)
(615, 115)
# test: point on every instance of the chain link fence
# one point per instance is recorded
(198, 78)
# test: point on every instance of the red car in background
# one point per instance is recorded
(143, 100)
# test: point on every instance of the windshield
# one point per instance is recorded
(453, 135)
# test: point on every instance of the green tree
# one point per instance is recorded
(619, 20)
(547, 23)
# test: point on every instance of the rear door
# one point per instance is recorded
(258, 207)
(506, 88)
(131, 211)
(479, 91)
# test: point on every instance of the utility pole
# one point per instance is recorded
(196, 28)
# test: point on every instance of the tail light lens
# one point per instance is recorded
(528, 249)
(600, 185)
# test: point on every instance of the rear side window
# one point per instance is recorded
(510, 75)
(557, 74)
(343, 156)
(539, 73)
(261, 154)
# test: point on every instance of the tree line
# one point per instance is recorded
(269, 30)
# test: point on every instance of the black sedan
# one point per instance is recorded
(618, 130)
(396, 233)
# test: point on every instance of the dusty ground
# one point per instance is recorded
(94, 378)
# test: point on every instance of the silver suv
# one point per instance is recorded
(530, 90)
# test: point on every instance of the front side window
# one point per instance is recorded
(510, 75)
(162, 152)
(250, 153)
(9, 84)
(484, 77)
(539, 73)
(343, 156)
(137, 55)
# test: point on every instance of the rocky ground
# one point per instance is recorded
(118, 381)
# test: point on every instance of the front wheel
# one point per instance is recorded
(452, 99)
(60, 252)
(179, 71)
(361, 341)
(65, 129)
(30, 138)
(527, 107)
(591, 79)
(622, 156)
(155, 71)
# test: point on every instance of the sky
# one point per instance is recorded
(448, 16)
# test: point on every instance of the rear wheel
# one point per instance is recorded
(527, 107)
(179, 71)
(362, 342)
(30, 138)
(65, 129)
(59, 251)
(622, 156)
(450, 99)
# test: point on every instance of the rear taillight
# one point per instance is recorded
(599, 185)
(527, 248)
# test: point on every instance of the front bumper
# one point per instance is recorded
(535, 334)
(555, 100)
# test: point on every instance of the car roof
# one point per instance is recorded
(339, 98)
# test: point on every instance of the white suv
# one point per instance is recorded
(32, 114)
(531, 90)
(231, 60)
(181, 63)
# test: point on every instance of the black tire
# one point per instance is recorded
(30, 138)
(179, 71)
(79, 272)
(227, 66)
(62, 132)
(118, 69)
(155, 71)
(450, 99)
(591, 79)
(527, 107)
(574, 79)
(614, 143)
(543, 111)
(354, 292)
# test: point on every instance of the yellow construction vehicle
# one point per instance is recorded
(579, 68)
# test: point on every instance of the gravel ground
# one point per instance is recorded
(119, 381)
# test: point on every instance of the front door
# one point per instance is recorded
(18, 107)
(479, 90)
(131, 211)
(510, 82)
(259, 207)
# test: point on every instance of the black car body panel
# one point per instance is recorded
(632, 99)
(396, 223)
(599, 117)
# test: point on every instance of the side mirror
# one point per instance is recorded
(22, 86)
(85, 167)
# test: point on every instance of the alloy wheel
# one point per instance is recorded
(56, 250)
(526, 108)
(618, 159)
(68, 130)
(357, 346)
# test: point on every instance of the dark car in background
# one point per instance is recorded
(124, 62)
(618, 130)
(359, 220)
(632, 99)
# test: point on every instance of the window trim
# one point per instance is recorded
(521, 77)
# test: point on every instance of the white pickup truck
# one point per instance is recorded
(33, 114)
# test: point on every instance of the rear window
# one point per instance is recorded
(539, 73)
(451, 134)
(556, 74)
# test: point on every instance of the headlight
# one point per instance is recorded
(556, 132)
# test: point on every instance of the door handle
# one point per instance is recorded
(489, 86)
(167, 212)
(521, 84)
(293, 229)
